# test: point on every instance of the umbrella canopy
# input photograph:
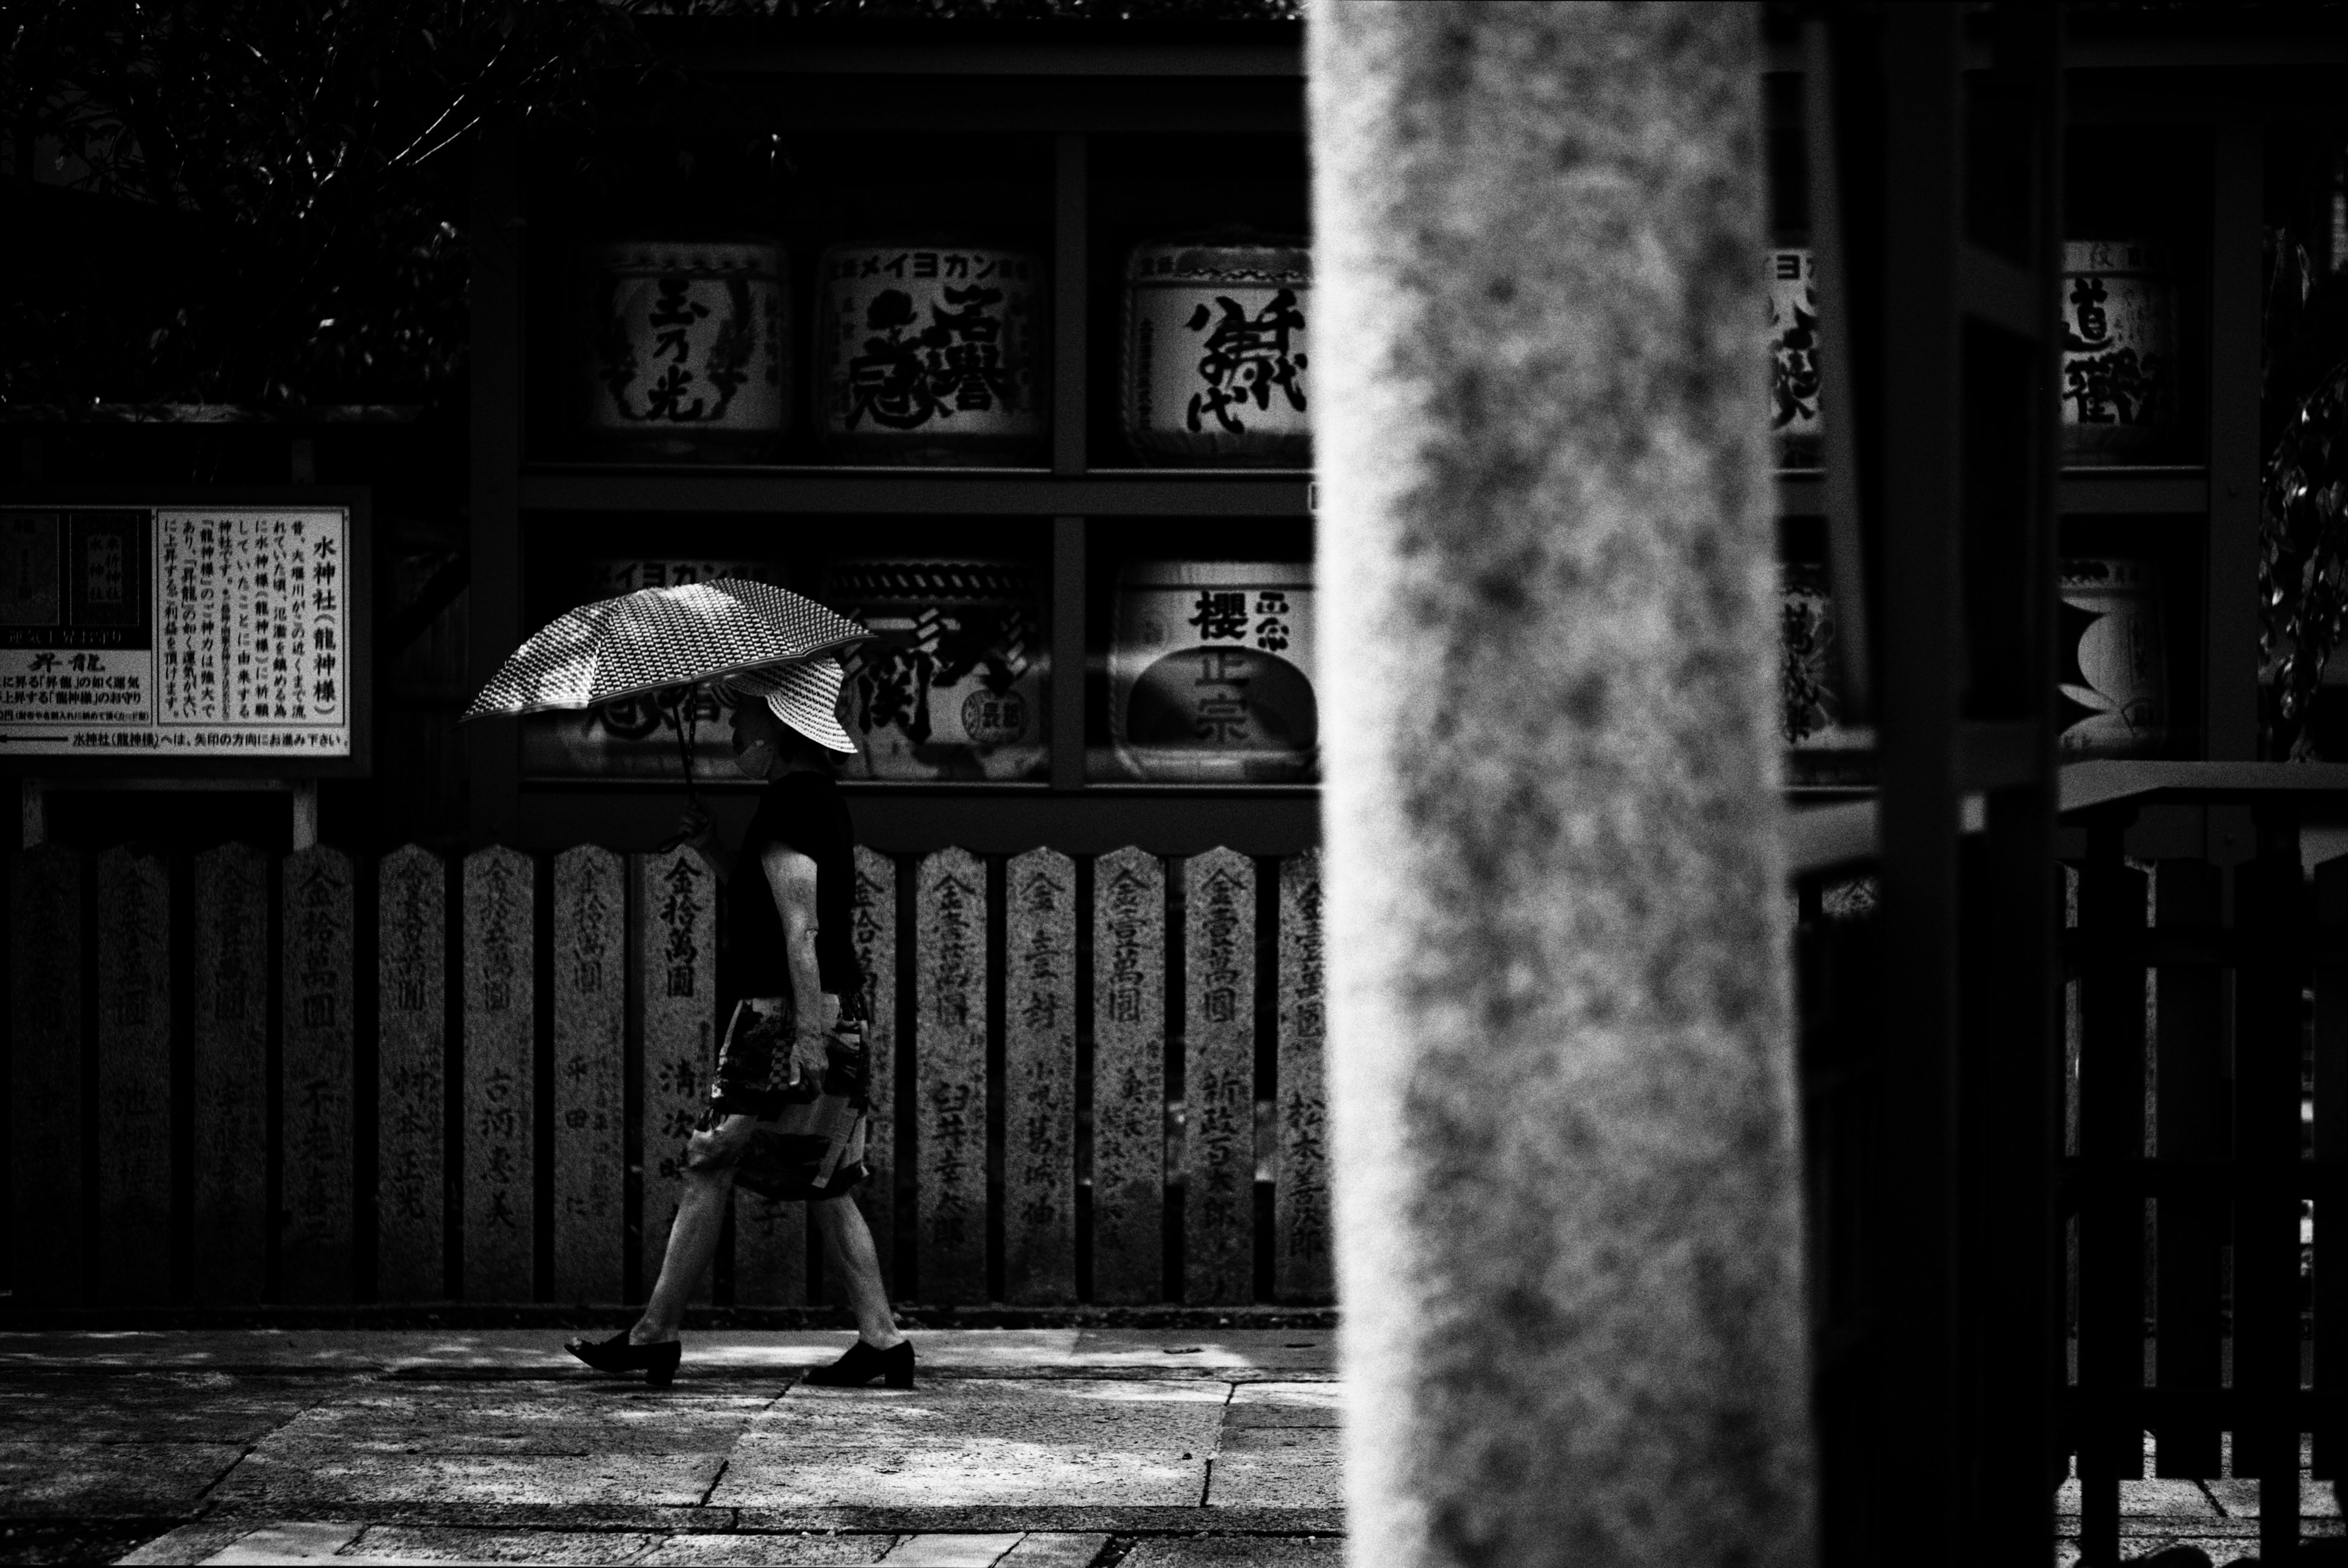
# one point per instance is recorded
(661, 637)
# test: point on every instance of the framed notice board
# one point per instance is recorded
(156, 634)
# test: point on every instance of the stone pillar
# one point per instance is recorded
(1561, 1046)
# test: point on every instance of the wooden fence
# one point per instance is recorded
(2207, 1126)
(237, 1078)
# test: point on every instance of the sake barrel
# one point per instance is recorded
(1211, 672)
(951, 684)
(684, 347)
(2113, 683)
(1823, 747)
(1216, 350)
(1792, 279)
(930, 354)
(2119, 353)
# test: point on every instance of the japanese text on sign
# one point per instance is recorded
(212, 632)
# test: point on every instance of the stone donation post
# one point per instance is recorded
(1561, 1046)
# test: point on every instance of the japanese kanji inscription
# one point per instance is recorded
(216, 632)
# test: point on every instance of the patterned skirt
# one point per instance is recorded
(808, 1142)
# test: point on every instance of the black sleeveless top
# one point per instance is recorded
(803, 811)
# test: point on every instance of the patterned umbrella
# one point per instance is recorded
(657, 637)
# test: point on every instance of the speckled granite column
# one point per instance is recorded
(1568, 1176)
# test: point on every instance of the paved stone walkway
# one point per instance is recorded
(2218, 1517)
(1022, 1448)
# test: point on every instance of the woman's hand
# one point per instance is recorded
(810, 1055)
(721, 1142)
(693, 828)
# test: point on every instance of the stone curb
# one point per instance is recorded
(974, 1519)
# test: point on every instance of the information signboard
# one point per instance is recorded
(181, 633)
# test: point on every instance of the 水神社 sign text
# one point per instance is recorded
(197, 631)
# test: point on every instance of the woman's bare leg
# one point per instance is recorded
(692, 1245)
(847, 1247)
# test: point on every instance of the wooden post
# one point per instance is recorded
(1301, 1261)
(1569, 1175)
(134, 1079)
(2190, 1125)
(501, 1005)
(2271, 910)
(314, 1244)
(411, 1023)
(591, 945)
(676, 914)
(2331, 1282)
(875, 920)
(231, 1021)
(1129, 1078)
(2111, 1140)
(950, 1073)
(1218, 1080)
(1039, 1080)
(45, 959)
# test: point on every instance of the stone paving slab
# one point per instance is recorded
(769, 1551)
(1260, 1349)
(2240, 1499)
(997, 1475)
(1271, 1404)
(950, 1551)
(291, 1483)
(524, 1418)
(177, 1406)
(189, 1542)
(1238, 1551)
(1321, 1440)
(1092, 1414)
(1282, 1481)
(61, 1475)
(412, 1543)
(2177, 1499)
(1128, 1519)
(360, 1546)
(300, 1541)
(2222, 1550)
(1054, 1549)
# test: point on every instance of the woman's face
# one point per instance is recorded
(757, 738)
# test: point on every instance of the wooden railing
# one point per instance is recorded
(244, 1079)
(2200, 1162)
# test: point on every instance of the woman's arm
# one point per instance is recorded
(792, 876)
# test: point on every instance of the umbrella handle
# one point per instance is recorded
(687, 725)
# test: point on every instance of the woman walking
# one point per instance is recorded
(796, 992)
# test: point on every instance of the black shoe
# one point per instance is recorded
(865, 1362)
(656, 1362)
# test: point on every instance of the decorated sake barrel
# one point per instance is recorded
(951, 684)
(2119, 353)
(636, 737)
(930, 354)
(1211, 672)
(2113, 683)
(1216, 351)
(684, 347)
(1811, 675)
(1823, 747)
(1793, 277)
